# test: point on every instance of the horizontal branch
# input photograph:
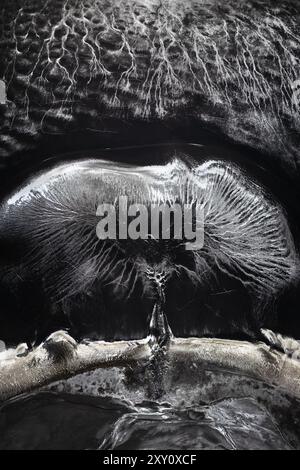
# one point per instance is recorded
(60, 357)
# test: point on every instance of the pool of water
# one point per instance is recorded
(51, 420)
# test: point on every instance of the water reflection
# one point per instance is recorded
(48, 420)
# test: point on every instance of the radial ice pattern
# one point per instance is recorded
(246, 235)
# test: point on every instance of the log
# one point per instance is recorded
(60, 357)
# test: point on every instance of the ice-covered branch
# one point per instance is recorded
(60, 357)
